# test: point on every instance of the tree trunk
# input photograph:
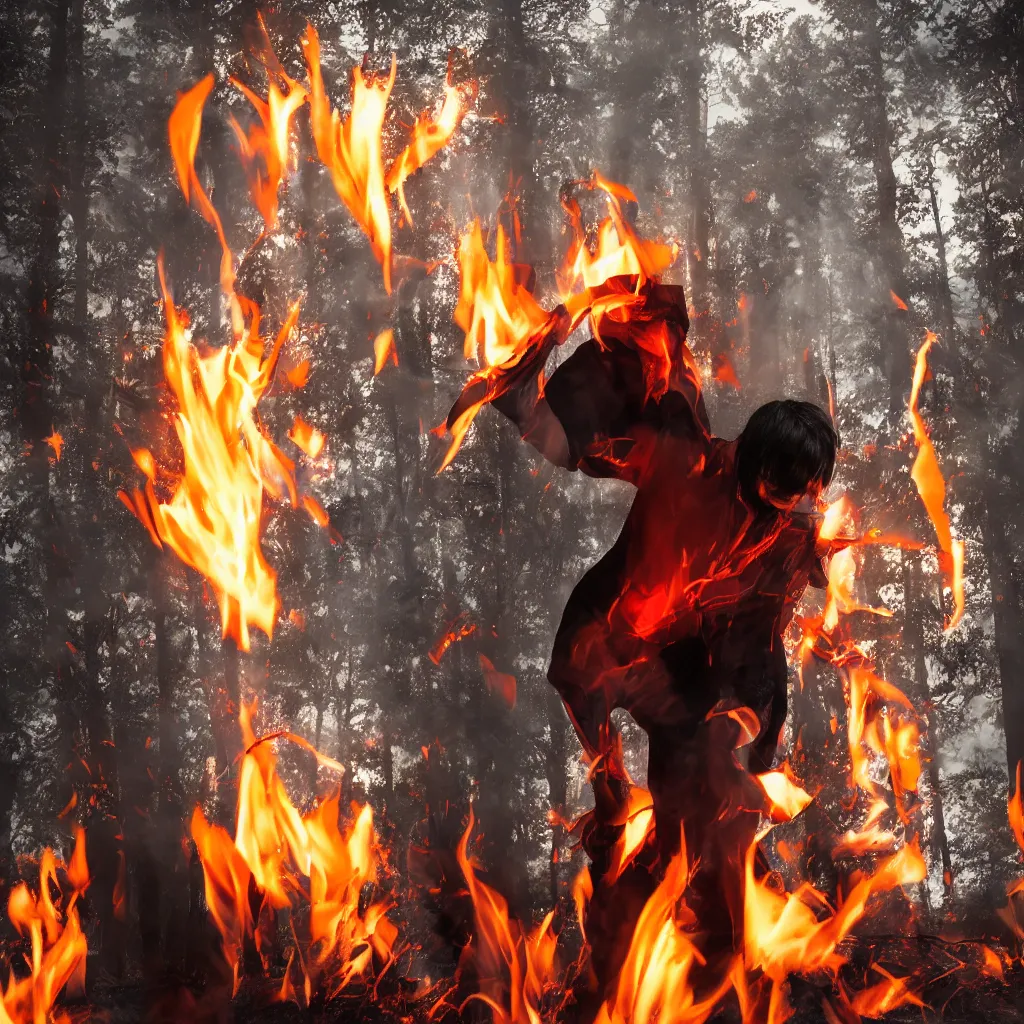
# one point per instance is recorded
(512, 92)
(554, 764)
(894, 322)
(913, 637)
(943, 291)
(699, 199)
(1007, 611)
(171, 898)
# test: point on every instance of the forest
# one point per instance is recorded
(841, 185)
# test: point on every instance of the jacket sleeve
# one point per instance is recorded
(635, 383)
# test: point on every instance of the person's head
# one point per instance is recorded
(787, 450)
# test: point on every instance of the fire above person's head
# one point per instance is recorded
(786, 450)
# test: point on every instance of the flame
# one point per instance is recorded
(273, 849)
(724, 372)
(897, 301)
(931, 486)
(655, 982)
(183, 127)
(618, 251)
(56, 442)
(786, 796)
(59, 947)
(884, 996)
(501, 684)
(514, 967)
(352, 149)
(308, 438)
(265, 149)
(507, 330)
(637, 819)
(783, 934)
(214, 517)
(383, 350)
(429, 136)
(457, 632)
(1013, 913)
(298, 375)
(1015, 809)
(501, 319)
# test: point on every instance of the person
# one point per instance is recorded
(681, 622)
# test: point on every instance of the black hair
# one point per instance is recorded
(788, 445)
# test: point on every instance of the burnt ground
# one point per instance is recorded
(952, 994)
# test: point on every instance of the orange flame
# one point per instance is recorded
(352, 149)
(183, 127)
(308, 438)
(655, 982)
(429, 136)
(274, 848)
(505, 327)
(1013, 913)
(724, 372)
(1015, 810)
(931, 486)
(786, 796)
(383, 350)
(265, 149)
(637, 819)
(214, 517)
(501, 684)
(56, 442)
(514, 967)
(782, 931)
(499, 316)
(619, 250)
(59, 947)
(884, 996)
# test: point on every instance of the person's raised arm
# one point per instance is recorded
(604, 406)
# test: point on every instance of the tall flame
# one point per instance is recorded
(352, 148)
(514, 967)
(784, 933)
(58, 945)
(618, 250)
(429, 136)
(1013, 914)
(507, 332)
(501, 319)
(214, 517)
(656, 979)
(931, 486)
(265, 148)
(183, 128)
